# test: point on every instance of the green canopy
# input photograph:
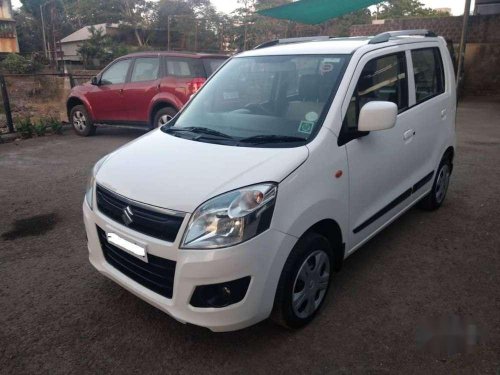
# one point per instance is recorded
(313, 12)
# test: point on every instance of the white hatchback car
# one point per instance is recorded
(290, 158)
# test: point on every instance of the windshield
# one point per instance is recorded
(265, 100)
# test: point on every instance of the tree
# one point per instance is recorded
(100, 47)
(29, 41)
(405, 8)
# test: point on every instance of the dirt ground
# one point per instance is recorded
(427, 271)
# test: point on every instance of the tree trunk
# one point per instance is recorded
(138, 36)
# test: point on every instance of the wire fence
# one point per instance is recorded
(38, 95)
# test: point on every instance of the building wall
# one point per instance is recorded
(8, 36)
(482, 58)
(482, 29)
(70, 51)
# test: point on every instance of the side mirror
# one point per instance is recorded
(94, 81)
(377, 116)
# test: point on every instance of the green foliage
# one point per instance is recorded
(55, 125)
(25, 128)
(18, 64)
(405, 8)
(40, 129)
(100, 47)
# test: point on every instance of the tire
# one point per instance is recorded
(437, 195)
(81, 121)
(312, 253)
(163, 116)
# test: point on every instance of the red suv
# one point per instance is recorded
(145, 89)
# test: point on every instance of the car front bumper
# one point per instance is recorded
(262, 258)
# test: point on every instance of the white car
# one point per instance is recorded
(289, 159)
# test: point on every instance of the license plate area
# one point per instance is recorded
(138, 250)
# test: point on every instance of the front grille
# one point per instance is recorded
(156, 275)
(146, 221)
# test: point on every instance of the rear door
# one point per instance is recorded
(431, 111)
(380, 162)
(107, 99)
(143, 86)
(184, 76)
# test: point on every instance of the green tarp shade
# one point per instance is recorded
(313, 12)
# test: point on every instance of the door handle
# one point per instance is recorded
(443, 114)
(408, 134)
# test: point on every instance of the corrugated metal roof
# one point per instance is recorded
(85, 34)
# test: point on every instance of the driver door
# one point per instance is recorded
(380, 162)
(107, 99)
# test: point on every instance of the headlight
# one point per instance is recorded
(89, 192)
(231, 218)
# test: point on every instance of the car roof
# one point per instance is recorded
(192, 55)
(339, 46)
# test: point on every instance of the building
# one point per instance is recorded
(485, 7)
(8, 35)
(71, 43)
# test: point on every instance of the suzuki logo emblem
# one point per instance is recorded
(127, 216)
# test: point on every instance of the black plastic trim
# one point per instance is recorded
(206, 296)
(422, 182)
(407, 194)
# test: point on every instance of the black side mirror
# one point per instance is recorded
(95, 81)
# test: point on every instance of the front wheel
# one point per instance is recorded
(304, 282)
(81, 121)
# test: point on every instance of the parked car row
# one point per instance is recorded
(142, 89)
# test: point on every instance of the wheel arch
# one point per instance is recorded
(450, 152)
(74, 101)
(330, 229)
(159, 105)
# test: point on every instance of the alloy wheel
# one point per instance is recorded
(164, 119)
(79, 120)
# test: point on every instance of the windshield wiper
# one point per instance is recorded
(264, 138)
(199, 130)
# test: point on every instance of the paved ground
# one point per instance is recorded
(59, 316)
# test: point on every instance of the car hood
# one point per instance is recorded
(174, 173)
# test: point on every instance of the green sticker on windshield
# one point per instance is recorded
(306, 127)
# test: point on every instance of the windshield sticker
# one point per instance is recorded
(312, 116)
(231, 95)
(306, 127)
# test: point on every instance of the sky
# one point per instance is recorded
(227, 6)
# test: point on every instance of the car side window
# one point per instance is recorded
(116, 73)
(382, 79)
(429, 73)
(185, 68)
(145, 69)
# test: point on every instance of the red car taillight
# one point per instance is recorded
(194, 85)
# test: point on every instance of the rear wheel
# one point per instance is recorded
(304, 282)
(163, 116)
(81, 121)
(436, 197)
